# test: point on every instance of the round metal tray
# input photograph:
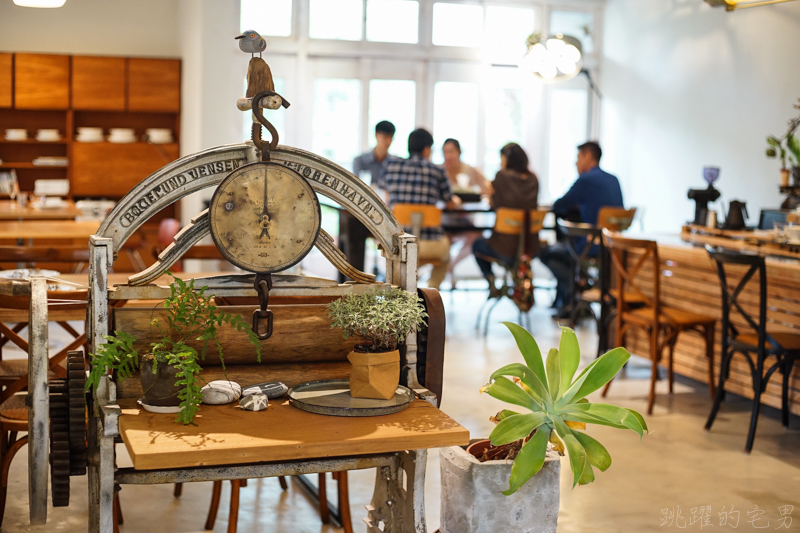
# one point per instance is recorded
(332, 397)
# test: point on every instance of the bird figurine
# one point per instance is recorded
(259, 76)
(250, 42)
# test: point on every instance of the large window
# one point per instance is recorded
(339, 19)
(267, 17)
(452, 117)
(395, 101)
(337, 121)
(457, 24)
(393, 21)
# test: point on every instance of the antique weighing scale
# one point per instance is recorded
(264, 217)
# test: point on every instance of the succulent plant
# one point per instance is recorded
(559, 410)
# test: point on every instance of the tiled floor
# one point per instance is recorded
(677, 467)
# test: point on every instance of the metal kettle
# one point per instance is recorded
(737, 213)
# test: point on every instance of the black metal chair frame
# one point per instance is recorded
(594, 237)
(732, 344)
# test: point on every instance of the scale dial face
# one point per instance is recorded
(264, 217)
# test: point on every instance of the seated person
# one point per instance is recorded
(514, 187)
(418, 181)
(594, 188)
(471, 179)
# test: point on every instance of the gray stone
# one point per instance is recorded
(254, 402)
(273, 390)
(220, 392)
(473, 500)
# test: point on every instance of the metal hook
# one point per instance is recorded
(259, 115)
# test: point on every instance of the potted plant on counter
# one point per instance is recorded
(788, 144)
(383, 318)
(522, 452)
(170, 371)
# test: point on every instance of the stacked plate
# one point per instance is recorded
(122, 135)
(158, 135)
(90, 135)
(48, 136)
(16, 135)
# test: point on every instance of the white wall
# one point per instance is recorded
(686, 85)
(96, 27)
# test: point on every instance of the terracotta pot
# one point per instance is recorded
(160, 388)
(477, 448)
(374, 375)
(785, 173)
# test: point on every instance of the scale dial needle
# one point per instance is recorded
(264, 221)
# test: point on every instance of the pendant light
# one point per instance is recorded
(555, 59)
(40, 3)
(731, 5)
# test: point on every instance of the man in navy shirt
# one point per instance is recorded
(594, 188)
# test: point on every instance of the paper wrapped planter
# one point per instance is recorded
(374, 375)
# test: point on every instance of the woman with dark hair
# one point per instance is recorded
(514, 187)
(462, 178)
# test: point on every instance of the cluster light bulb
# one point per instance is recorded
(556, 55)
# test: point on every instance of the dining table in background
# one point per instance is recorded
(12, 210)
(26, 230)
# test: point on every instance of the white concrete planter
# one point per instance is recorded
(473, 500)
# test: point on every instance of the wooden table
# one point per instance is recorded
(225, 434)
(11, 210)
(691, 284)
(48, 229)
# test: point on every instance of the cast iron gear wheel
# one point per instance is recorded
(67, 429)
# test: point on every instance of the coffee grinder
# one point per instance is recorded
(703, 196)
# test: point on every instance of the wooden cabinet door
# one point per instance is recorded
(41, 81)
(5, 80)
(98, 83)
(112, 170)
(154, 85)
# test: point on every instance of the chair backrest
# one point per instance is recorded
(511, 221)
(615, 218)
(725, 261)
(590, 237)
(628, 277)
(418, 216)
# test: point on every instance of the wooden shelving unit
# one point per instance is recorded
(49, 91)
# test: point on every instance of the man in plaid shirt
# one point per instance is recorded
(418, 181)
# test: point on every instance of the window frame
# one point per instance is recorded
(423, 63)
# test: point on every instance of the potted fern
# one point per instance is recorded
(383, 318)
(522, 452)
(788, 144)
(170, 371)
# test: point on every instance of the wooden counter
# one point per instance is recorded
(690, 282)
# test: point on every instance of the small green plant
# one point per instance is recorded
(780, 147)
(383, 317)
(191, 316)
(558, 405)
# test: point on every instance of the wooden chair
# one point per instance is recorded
(512, 222)
(418, 217)
(748, 335)
(662, 324)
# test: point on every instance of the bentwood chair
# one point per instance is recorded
(513, 222)
(747, 335)
(634, 260)
(591, 283)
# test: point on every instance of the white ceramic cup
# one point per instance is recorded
(792, 232)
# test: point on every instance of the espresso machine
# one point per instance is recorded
(702, 197)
